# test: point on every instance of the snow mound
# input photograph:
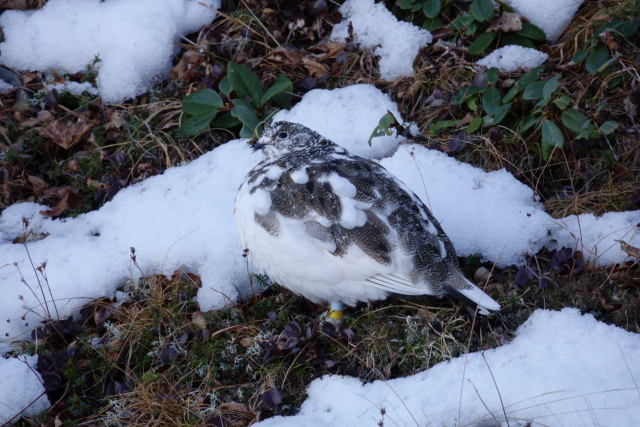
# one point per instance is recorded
(512, 58)
(396, 42)
(132, 38)
(345, 116)
(183, 218)
(563, 368)
(21, 388)
(551, 16)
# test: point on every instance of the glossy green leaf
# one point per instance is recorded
(244, 111)
(515, 39)
(580, 56)
(440, 125)
(474, 125)
(551, 137)
(383, 127)
(608, 127)
(491, 100)
(432, 23)
(197, 123)
(225, 121)
(492, 75)
(280, 86)
(481, 43)
(431, 8)
(224, 86)
(482, 10)
(549, 88)
(562, 102)
(526, 123)
(533, 90)
(202, 101)
(412, 5)
(596, 58)
(574, 120)
(464, 94)
(532, 32)
(244, 82)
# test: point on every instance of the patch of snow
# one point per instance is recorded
(396, 42)
(134, 39)
(20, 388)
(73, 87)
(512, 58)
(182, 218)
(551, 16)
(562, 369)
(345, 115)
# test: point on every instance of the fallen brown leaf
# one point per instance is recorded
(38, 184)
(628, 249)
(315, 68)
(66, 135)
(507, 22)
(70, 200)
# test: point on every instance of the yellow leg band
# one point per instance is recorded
(337, 314)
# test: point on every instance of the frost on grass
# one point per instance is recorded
(184, 218)
(20, 385)
(551, 16)
(396, 42)
(134, 39)
(345, 115)
(563, 368)
(513, 58)
(74, 88)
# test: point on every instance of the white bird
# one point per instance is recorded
(338, 228)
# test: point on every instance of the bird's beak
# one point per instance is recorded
(258, 146)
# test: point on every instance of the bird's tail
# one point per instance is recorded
(462, 289)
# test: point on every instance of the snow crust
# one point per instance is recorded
(562, 369)
(132, 38)
(345, 115)
(512, 58)
(21, 384)
(551, 16)
(184, 218)
(396, 42)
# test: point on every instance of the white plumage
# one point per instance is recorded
(339, 228)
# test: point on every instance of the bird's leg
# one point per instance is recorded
(336, 313)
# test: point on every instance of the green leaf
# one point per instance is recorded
(513, 38)
(474, 125)
(562, 102)
(551, 137)
(225, 121)
(549, 87)
(526, 123)
(244, 111)
(440, 125)
(280, 86)
(224, 86)
(596, 58)
(580, 55)
(482, 10)
(202, 101)
(464, 94)
(492, 75)
(500, 113)
(432, 24)
(608, 127)
(197, 123)
(522, 83)
(574, 120)
(481, 43)
(532, 32)
(244, 82)
(629, 28)
(431, 8)
(411, 5)
(533, 90)
(383, 127)
(491, 100)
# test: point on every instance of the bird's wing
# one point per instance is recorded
(346, 201)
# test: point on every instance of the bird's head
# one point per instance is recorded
(280, 138)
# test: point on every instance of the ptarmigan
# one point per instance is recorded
(338, 228)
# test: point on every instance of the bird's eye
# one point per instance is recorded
(283, 135)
